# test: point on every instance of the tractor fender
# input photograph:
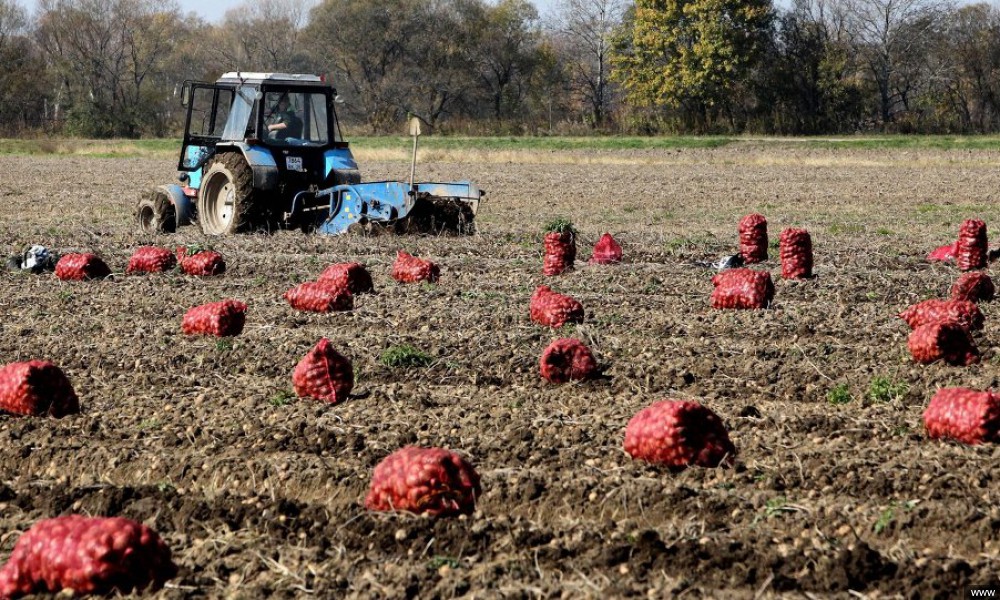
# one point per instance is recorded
(183, 207)
(340, 168)
(261, 161)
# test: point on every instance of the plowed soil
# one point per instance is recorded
(259, 494)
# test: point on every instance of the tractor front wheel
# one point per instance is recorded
(155, 213)
(227, 202)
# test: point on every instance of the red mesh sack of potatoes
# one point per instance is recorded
(796, 254)
(946, 341)
(324, 374)
(150, 259)
(221, 319)
(431, 481)
(965, 415)
(753, 238)
(606, 251)
(554, 309)
(971, 251)
(742, 289)
(560, 252)
(203, 264)
(88, 555)
(943, 253)
(973, 287)
(78, 267)
(679, 433)
(319, 297)
(566, 360)
(410, 269)
(36, 388)
(963, 312)
(351, 275)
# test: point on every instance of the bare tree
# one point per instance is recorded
(13, 20)
(585, 29)
(266, 35)
(105, 53)
(890, 36)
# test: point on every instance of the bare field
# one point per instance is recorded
(259, 494)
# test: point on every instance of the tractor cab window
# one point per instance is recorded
(295, 118)
(209, 111)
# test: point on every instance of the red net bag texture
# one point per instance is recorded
(319, 297)
(150, 259)
(78, 267)
(963, 312)
(560, 252)
(410, 269)
(431, 481)
(36, 388)
(351, 275)
(753, 238)
(568, 359)
(221, 319)
(553, 309)
(946, 341)
(965, 415)
(971, 249)
(607, 251)
(203, 264)
(975, 286)
(796, 254)
(742, 289)
(87, 555)
(324, 374)
(943, 253)
(678, 434)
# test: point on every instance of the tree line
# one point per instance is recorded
(113, 68)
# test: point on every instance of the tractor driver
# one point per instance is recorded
(283, 123)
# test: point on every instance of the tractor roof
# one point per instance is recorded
(237, 76)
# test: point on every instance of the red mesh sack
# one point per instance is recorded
(607, 251)
(429, 481)
(554, 309)
(351, 275)
(796, 254)
(36, 388)
(319, 297)
(410, 269)
(78, 267)
(203, 264)
(973, 287)
(566, 360)
(324, 374)
(943, 253)
(965, 415)
(742, 289)
(560, 252)
(753, 238)
(221, 319)
(88, 555)
(963, 312)
(970, 250)
(150, 259)
(679, 433)
(946, 341)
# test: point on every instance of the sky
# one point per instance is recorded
(214, 10)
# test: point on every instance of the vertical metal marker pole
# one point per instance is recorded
(415, 132)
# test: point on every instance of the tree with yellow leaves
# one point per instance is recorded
(691, 54)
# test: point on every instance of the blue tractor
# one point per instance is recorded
(263, 151)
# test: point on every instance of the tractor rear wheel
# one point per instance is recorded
(155, 213)
(227, 201)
